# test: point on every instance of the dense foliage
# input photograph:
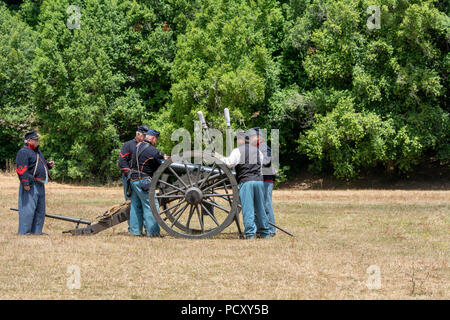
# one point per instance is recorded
(344, 96)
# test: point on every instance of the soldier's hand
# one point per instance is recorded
(27, 188)
(166, 157)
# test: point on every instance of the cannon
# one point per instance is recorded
(188, 199)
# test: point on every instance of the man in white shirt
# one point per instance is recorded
(247, 161)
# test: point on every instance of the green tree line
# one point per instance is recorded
(345, 96)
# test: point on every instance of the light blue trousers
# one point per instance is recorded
(141, 213)
(268, 188)
(31, 209)
(251, 194)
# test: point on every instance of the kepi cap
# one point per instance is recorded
(253, 131)
(143, 129)
(31, 135)
(256, 129)
(152, 132)
(242, 135)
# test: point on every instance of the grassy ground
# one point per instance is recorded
(339, 234)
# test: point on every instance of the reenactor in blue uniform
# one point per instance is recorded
(126, 153)
(247, 161)
(33, 172)
(146, 159)
(269, 176)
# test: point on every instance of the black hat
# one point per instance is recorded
(253, 131)
(242, 135)
(143, 129)
(153, 132)
(31, 135)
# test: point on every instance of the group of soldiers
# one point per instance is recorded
(138, 160)
(138, 163)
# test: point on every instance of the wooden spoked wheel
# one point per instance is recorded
(194, 200)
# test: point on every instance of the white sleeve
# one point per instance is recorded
(233, 159)
(261, 159)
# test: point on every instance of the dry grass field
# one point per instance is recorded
(339, 234)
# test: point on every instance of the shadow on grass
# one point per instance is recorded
(223, 235)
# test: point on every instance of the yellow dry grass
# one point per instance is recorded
(339, 234)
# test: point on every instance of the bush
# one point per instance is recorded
(347, 140)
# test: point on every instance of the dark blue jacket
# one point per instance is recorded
(26, 163)
(150, 159)
(269, 173)
(126, 154)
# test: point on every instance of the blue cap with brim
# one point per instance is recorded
(143, 129)
(31, 135)
(242, 135)
(152, 132)
(253, 132)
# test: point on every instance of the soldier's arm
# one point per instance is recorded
(49, 164)
(267, 153)
(124, 157)
(233, 159)
(22, 169)
(159, 156)
(261, 158)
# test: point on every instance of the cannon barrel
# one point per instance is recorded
(180, 167)
(55, 216)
